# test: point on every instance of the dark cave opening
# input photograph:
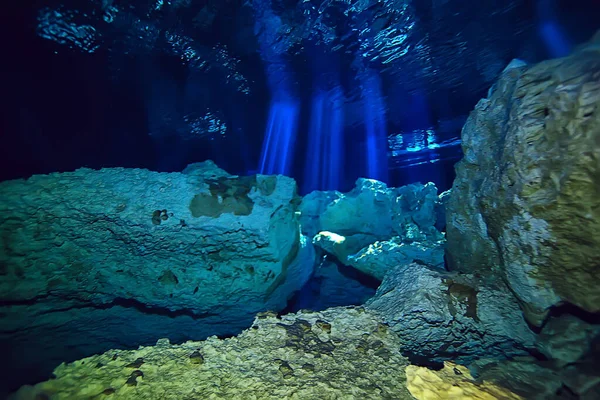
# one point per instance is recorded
(333, 284)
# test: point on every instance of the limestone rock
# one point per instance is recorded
(113, 251)
(205, 170)
(374, 211)
(380, 257)
(440, 210)
(566, 339)
(311, 208)
(452, 382)
(441, 316)
(334, 354)
(522, 375)
(524, 206)
(375, 228)
(366, 211)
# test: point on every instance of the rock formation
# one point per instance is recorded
(374, 228)
(337, 353)
(108, 258)
(523, 229)
(443, 316)
(524, 206)
(340, 353)
(453, 382)
(524, 211)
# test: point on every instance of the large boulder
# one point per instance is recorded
(129, 254)
(444, 316)
(525, 207)
(378, 258)
(374, 228)
(340, 353)
(374, 211)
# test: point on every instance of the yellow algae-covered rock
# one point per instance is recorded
(340, 353)
(452, 382)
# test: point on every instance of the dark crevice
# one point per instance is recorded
(570, 309)
(117, 302)
(154, 310)
(354, 274)
(423, 361)
(311, 295)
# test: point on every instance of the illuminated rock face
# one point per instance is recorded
(525, 207)
(374, 228)
(131, 254)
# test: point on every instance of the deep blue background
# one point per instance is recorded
(64, 109)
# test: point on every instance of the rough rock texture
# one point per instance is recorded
(374, 228)
(567, 339)
(372, 209)
(341, 353)
(537, 380)
(441, 316)
(118, 256)
(522, 375)
(380, 257)
(525, 205)
(452, 382)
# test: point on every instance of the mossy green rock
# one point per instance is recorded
(525, 205)
(340, 353)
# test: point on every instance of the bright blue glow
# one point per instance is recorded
(279, 138)
(375, 127)
(325, 142)
(280, 135)
(556, 41)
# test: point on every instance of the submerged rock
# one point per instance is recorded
(380, 257)
(374, 211)
(567, 339)
(374, 228)
(452, 382)
(129, 254)
(441, 316)
(337, 353)
(524, 206)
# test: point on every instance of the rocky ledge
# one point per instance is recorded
(101, 259)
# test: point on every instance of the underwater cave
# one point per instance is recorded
(300, 199)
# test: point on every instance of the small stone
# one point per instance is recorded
(196, 358)
(131, 381)
(308, 367)
(325, 327)
(286, 370)
(136, 364)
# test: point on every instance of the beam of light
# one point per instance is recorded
(556, 41)
(280, 135)
(325, 142)
(375, 127)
